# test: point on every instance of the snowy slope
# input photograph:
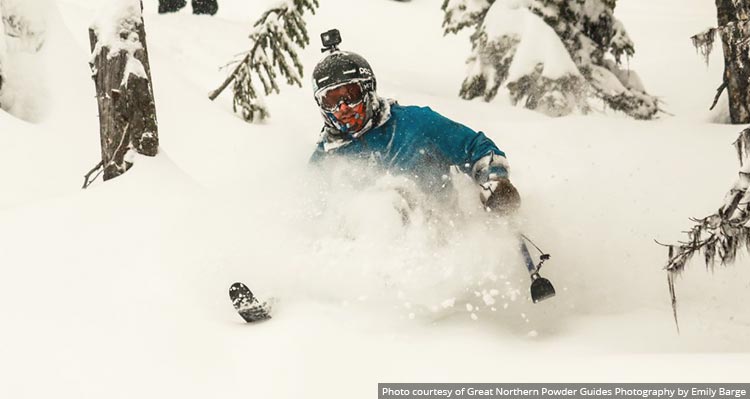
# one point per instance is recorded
(120, 290)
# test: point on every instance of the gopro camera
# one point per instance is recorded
(331, 39)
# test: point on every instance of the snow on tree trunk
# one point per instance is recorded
(550, 55)
(273, 40)
(122, 76)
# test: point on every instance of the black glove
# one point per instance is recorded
(500, 196)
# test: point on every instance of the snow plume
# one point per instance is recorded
(365, 238)
(22, 84)
(550, 56)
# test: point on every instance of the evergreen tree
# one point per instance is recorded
(22, 35)
(719, 236)
(273, 40)
(734, 29)
(723, 233)
(24, 25)
(550, 55)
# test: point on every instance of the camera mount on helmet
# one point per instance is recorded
(331, 40)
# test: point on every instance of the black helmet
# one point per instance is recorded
(341, 67)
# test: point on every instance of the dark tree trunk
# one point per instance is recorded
(166, 6)
(205, 7)
(734, 29)
(127, 115)
(2, 39)
(199, 6)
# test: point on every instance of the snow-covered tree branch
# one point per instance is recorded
(22, 35)
(23, 23)
(460, 14)
(274, 39)
(550, 55)
(723, 233)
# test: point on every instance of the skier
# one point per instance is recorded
(358, 124)
(402, 139)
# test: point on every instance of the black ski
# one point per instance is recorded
(247, 304)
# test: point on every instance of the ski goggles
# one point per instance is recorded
(331, 99)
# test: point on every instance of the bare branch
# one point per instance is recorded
(718, 94)
(86, 181)
(212, 96)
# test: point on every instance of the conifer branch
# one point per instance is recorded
(274, 38)
(704, 43)
(721, 235)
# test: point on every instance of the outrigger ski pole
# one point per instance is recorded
(541, 288)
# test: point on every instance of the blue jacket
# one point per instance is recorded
(421, 143)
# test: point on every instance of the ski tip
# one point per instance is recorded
(238, 289)
(248, 307)
(236, 286)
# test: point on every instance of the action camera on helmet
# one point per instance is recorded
(331, 39)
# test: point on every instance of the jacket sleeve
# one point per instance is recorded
(473, 152)
(318, 155)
